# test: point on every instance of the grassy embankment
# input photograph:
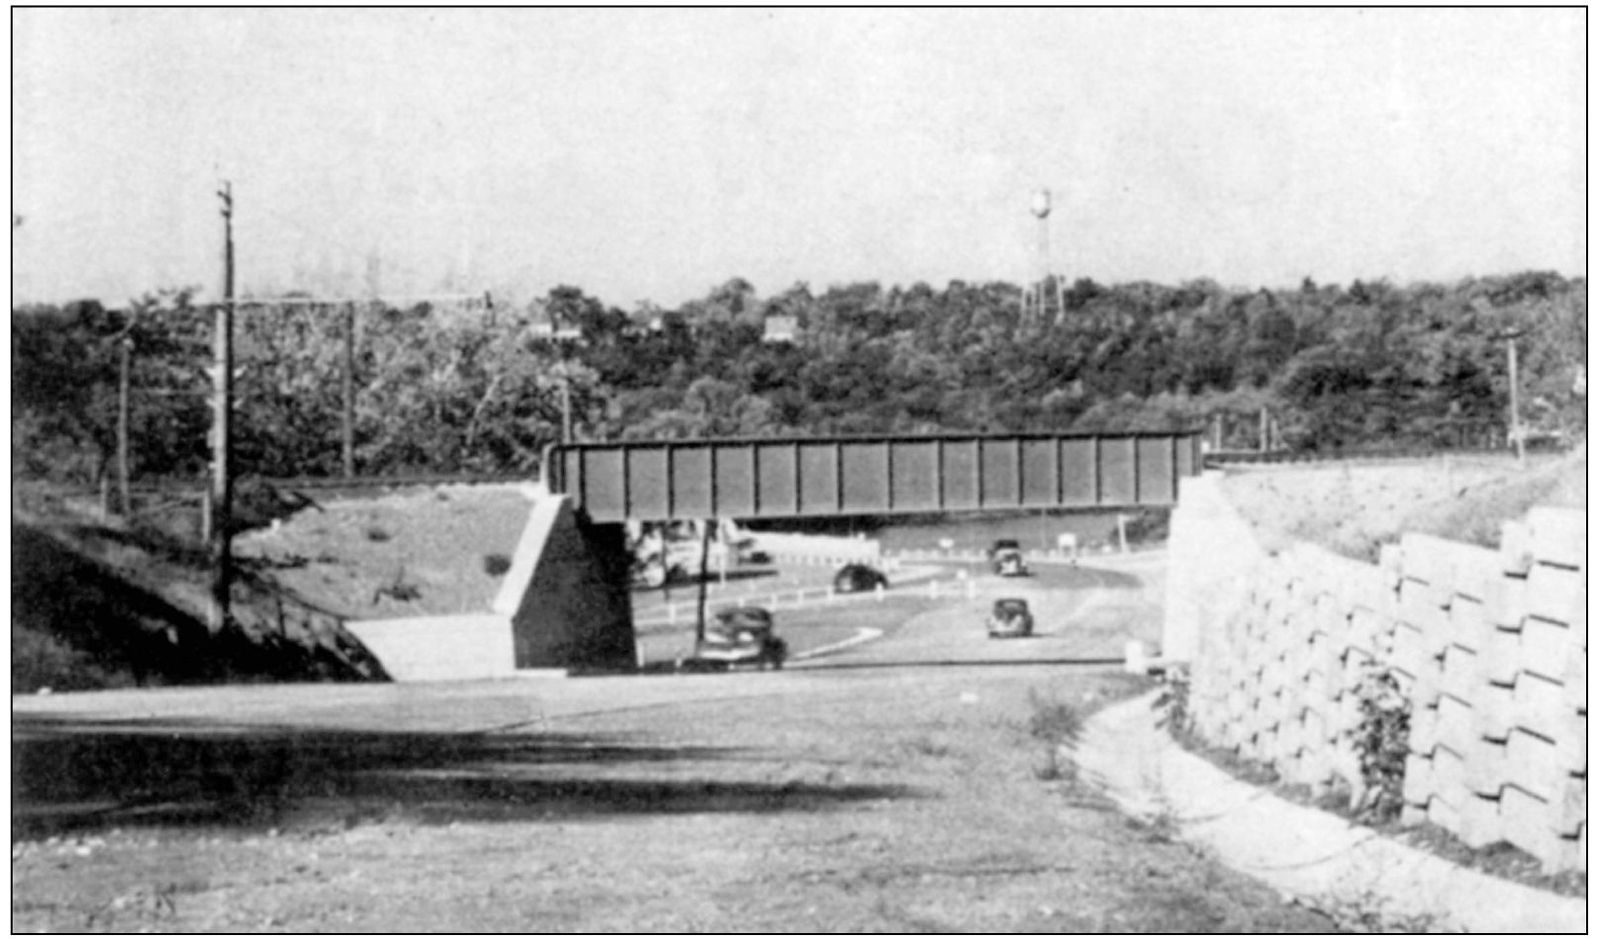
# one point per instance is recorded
(1353, 509)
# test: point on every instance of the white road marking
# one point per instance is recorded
(866, 634)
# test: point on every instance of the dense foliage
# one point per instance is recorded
(1370, 365)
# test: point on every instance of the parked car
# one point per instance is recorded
(738, 636)
(858, 578)
(1011, 618)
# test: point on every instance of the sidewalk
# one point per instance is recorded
(1362, 880)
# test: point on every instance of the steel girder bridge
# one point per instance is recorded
(884, 475)
(566, 600)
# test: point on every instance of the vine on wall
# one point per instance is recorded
(1381, 741)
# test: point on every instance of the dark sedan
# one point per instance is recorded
(1011, 618)
(858, 578)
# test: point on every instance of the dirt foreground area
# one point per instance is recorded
(856, 792)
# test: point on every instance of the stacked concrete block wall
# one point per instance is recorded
(1493, 647)
(1488, 646)
(1280, 684)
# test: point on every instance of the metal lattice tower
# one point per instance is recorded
(1041, 207)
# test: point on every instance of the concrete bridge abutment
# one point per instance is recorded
(564, 604)
(568, 593)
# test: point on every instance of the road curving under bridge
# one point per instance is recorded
(888, 797)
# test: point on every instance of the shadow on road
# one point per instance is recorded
(829, 664)
(70, 774)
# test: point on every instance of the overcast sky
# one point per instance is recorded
(654, 154)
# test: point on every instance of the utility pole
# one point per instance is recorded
(1515, 432)
(221, 547)
(125, 350)
(349, 390)
(565, 403)
(1513, 396)
(704, 583)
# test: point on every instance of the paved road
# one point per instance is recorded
(1063, 599)
(877, 789)
(1083, 613)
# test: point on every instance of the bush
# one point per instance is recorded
(1382, 744)
(1053, 721)
(1173, 703)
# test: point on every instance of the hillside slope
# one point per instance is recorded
(1354, 508)
(99, 603)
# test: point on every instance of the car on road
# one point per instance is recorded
(858, 578)
(1003, 544)
(738, 636)
(1010, 619)
(1006, 558)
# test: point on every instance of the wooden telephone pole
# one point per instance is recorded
(124, 347)
(349, 390)
(221, 540)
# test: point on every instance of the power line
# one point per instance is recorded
(484, 297)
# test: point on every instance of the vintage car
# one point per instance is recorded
(1006, 558)
(858, 578)
(738, 636)
(1010, 619)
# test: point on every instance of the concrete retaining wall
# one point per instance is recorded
(1489, 647)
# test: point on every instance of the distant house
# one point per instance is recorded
(781, 328)
(542, 324)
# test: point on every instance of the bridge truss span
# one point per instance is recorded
(801, 477)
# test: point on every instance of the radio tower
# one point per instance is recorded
(1041, 205)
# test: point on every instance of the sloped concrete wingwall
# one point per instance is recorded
(439, 648)
(564, 604)
(568, 592)
(1488, 646)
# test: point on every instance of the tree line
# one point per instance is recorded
(1370, 365)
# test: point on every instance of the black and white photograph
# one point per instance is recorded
(668, 470)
